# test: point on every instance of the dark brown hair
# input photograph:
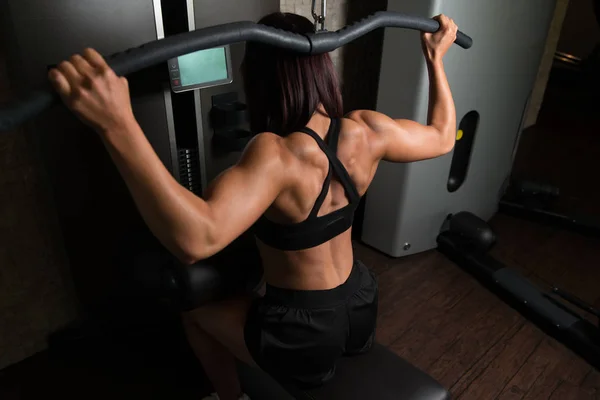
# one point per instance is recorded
(284, 89)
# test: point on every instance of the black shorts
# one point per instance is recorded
(297, 336)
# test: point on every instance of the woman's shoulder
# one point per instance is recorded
(265, 144)
(368, 120)
(359, 125)
(269, 146)
(366, 128)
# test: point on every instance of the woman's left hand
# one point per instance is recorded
(92, 90)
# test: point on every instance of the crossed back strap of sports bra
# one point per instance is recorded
(330, 150)
(315, 230)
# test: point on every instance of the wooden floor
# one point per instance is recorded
(431, 313)
(440, 319)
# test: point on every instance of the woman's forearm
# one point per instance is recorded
(177, 217)
(442, 113)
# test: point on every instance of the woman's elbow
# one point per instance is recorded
(447, 143)
(188, 258)
(190, 255)
(448, 147)
(195, 251)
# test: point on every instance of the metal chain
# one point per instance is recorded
(319, 18)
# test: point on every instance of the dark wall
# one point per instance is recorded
(36, 295)
(63, 203)
(362, 59)
(580, 31)
(90, 199)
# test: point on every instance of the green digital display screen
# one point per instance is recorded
(205, 67)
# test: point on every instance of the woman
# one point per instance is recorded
(296, 185)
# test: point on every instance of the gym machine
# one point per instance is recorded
(533, 201)
(443, 203)
(196, 134)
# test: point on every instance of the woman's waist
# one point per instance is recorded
(315, 291)
(314, 268)
(305, 271)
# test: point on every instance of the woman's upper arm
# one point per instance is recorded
(242, 193)
(401, 140)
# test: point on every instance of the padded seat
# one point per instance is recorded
(377, 375)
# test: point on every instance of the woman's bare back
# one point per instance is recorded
(329, 264)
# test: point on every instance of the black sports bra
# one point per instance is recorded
(315, 230)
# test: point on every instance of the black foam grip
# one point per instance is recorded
(25, 108)
(158, 51)
(329, 41)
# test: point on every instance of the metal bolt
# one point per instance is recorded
(406, 246)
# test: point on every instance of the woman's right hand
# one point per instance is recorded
(435, 45)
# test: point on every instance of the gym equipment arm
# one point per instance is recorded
(152, 53)
(564, 324)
